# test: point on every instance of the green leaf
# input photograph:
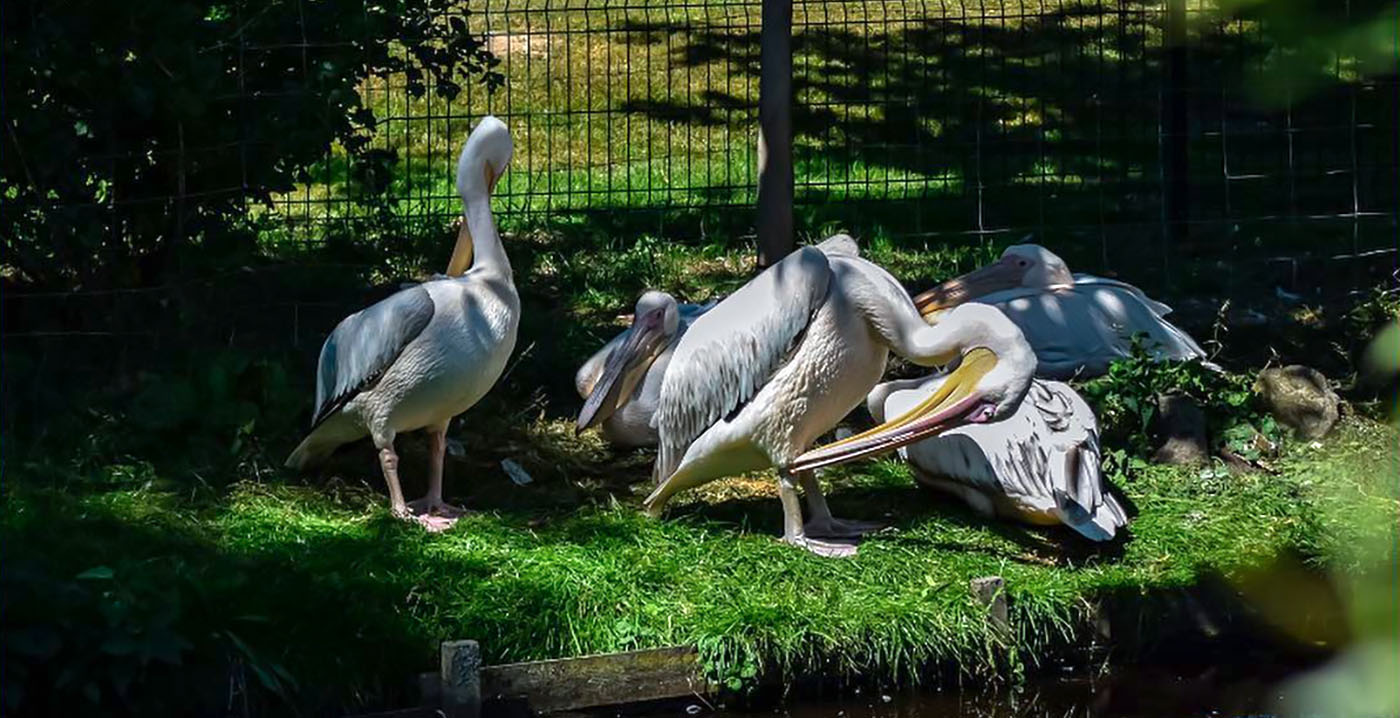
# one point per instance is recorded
(96, 573)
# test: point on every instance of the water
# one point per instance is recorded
(1220, 691)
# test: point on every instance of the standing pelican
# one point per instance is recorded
(429, 352)
(758, 378)
(1077, 323)
(621, 384)
(1039, 464)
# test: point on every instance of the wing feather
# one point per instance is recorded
(730, 351)
(365, 344)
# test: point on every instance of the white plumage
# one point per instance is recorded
(1077, 323)
(429, 352)
(625, 417)
(1040, 464)
(758, 378)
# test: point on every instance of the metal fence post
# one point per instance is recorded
(775, 239)
(1175, 142)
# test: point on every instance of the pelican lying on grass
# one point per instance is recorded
(429, 352)
(1077, 323)
(1039, 464)
(621, 384)
(759, 377)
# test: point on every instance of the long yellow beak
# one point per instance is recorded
(949, 406)
(492, 177)
(999, 275)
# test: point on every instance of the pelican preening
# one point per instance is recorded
(759, 377)
(1077, 323)
(751, 382)
(429, 352)
(621, 383)
(1039, 465)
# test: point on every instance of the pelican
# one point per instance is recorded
(760, 376)
(621, 384)
(1077, 323)
(429, 352)
(1039, 464)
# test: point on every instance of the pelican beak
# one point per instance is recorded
(625, 367)
(491, 176)
(1001, 274)
(957, 401)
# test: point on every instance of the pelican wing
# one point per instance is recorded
(730, 351)
(1074, 473)
(365, 344)
(1126, 311)
(1158, 308)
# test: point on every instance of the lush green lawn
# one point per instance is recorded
(323, 583)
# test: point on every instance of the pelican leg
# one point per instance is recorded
(431, 510)
(389, 464)
(823, 524)
(793, 531)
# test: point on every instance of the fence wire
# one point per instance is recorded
(917, 120)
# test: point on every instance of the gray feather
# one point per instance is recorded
(732, 350)
(365, 344)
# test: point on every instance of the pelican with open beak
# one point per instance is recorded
(757, 379)
(992, 367)
(1038, 465)
(621, 383)
(1077, 323)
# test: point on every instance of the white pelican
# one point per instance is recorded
(759, 377)
(1077, 323)
(1040, 464)
(621, 384)
(429, 352)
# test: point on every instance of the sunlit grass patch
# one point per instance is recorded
(331, 572)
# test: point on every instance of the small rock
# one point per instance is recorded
(456, 450)
(1300, 398)
(693, 710)
(517, 473)
(1182, 428)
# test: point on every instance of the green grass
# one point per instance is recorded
(322, 582)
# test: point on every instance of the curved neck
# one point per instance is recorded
(478, 244)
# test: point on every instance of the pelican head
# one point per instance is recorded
(1021, 265)
(484, 158)
(654, 325)
(992, 369)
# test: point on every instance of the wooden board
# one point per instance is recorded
(589, 681)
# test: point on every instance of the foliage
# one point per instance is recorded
(136, 640)
(1125, 402)
(349, 601)
(206, 420)
(137, 129)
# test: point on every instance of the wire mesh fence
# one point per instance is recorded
(918, 120)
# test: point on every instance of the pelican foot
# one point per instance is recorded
(828, 549)
(439, 508)
(840, 528)
(435, 524)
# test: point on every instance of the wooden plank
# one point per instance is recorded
(990, 591)
(590, 681)
(460, 666)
